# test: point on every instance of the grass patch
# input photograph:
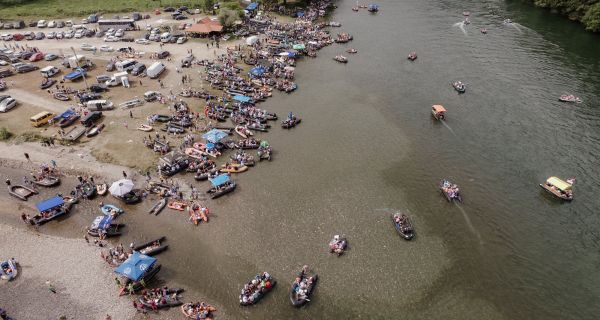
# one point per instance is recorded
(11, 9)
(5, 134)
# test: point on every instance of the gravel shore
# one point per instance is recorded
(84, 284)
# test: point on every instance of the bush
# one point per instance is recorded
(227, 17)
(5, 134)
(591, 19)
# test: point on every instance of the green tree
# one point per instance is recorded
(591, 19)
(228, 17)
(208, 5)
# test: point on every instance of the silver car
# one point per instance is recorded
(7, 104)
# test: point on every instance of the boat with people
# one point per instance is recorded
(352, 50)
(560, 188)
(194, 153)
(256, 289)
(412, 56)
(88, 189)
(131, 197)
(290, 122)
(110, 210)
(205, 172)
(483, 30)
(198, 213)
(335, 24)
(145, 127)
(158, 207)
(61, 96)
(373, 8)
(233, 168)
(303, 287)
(438, 112)
(258, 127)
(136, 272)
(198, 310)
(9, 269)
(152, 247)
(569, 98)
(20, 191)
(264, 153)
(243, 158)
(467, 21)
(51, 209)
(450, 190)
(340, 58)
(459, 86)
(46, 180)
(221, 185)
(507, 21)
(243, 131)
(403, 226)
(338, 245)
(160, 298)
(101, 189)
(103, 227)
(249, 143)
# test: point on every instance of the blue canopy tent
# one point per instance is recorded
(101, 223)
(219, 180)
(135, 266)
(50, 203)
(257, 71)
(214, 135)
(243, 99)
(210, 146)
(252, 6)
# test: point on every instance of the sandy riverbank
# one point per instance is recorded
(84, 287)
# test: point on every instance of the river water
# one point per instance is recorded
(367, 146)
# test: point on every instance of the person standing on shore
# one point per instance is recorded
(27, 156)
(50, 286)
(124, 174)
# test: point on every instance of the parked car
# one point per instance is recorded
(89, 33)
(99, 34)
(42, 24)
(50, 57)
(97, 88)
(7, 25)
(78, 34)
(26, 55)
(163, 54)
(69, 34)
(52, 24)
(110, 32)
(7, 104)
(111, 39)
(60, 35)
(32, 24)
(102, 78)
(105, 48)
(26, 68)
(29, 35)
(36, 57)
(18, 37)
(169, 9)
(142, 41)
(180, 17)
(60, 24)
(68, 23)
(39, 36)
(87, 47)
(3, 63)
(138, 69)
(19, 24)
(119, 33)
(110, 66)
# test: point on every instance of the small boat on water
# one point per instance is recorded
(163, 299)
(94, 130)
(258, 127)
(221, 185)
(338, 245)
(257, 288)
(51, 209)
(21, 192)
(373, 8)
(483, 30)
(303, 287)
(205, 173)
(450, 190)
(352, 50)
(569, 98)
(198, 214)
(560, 188)
(61, 96)
(459, 86)
(110, 210)
(46, 181)
(145, 127)
(233, 168)
(438, 112)
(507, 21)
(467, 21)
(9, 269)
(243, 131)
(198, 310)
(152, 247)
(157, 208)
(466, 13)
(264, 153)
(102, 225)
(355, 9)
(101, 189)
(412, 56)
(403, 226)
(176, 205)
(341, 58)
(290, 123)
(194, 153)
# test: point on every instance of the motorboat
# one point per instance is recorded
(459, 86)
(152, 247)
(47, 83)
(103, 226)
(176, 205)
(507, 21)
(303, 287)
(233, 168)
(483, 30)
(560, 188)
(290, 122)
(221, 185)
(438, 112)
(61, 96)
(340, 58)
(157, 208)
(466, 13)
(352, 50)
(373, 8)
(51, 209)
(412, 56)
(255, 289)
(569, 98)
(94, 130)
(110, 210)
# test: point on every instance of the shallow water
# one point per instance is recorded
(367, 146)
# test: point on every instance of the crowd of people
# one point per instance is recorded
(256, 288)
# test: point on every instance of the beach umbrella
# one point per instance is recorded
(251, 40)
(135, 266)
(121, 187)
(219, 180)
(214, 135)
(264, 143)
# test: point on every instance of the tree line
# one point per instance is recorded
(585, 11)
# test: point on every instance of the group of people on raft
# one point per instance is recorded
(254, 289)
(302, 284)
(337, 245)
(450, 189)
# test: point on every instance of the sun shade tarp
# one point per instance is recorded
(50, 203)
(219, 180)
(135, 266)
(559, 183)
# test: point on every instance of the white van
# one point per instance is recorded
(155, 70)
(117, 79)
(165, 37)
(99, 105)
(125, 65)
(49, 71)
(42, 24)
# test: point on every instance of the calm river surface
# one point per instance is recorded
(367, 146)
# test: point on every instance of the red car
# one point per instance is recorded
(36, 57)
(18, 37)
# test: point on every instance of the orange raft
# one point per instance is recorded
(438, 112)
